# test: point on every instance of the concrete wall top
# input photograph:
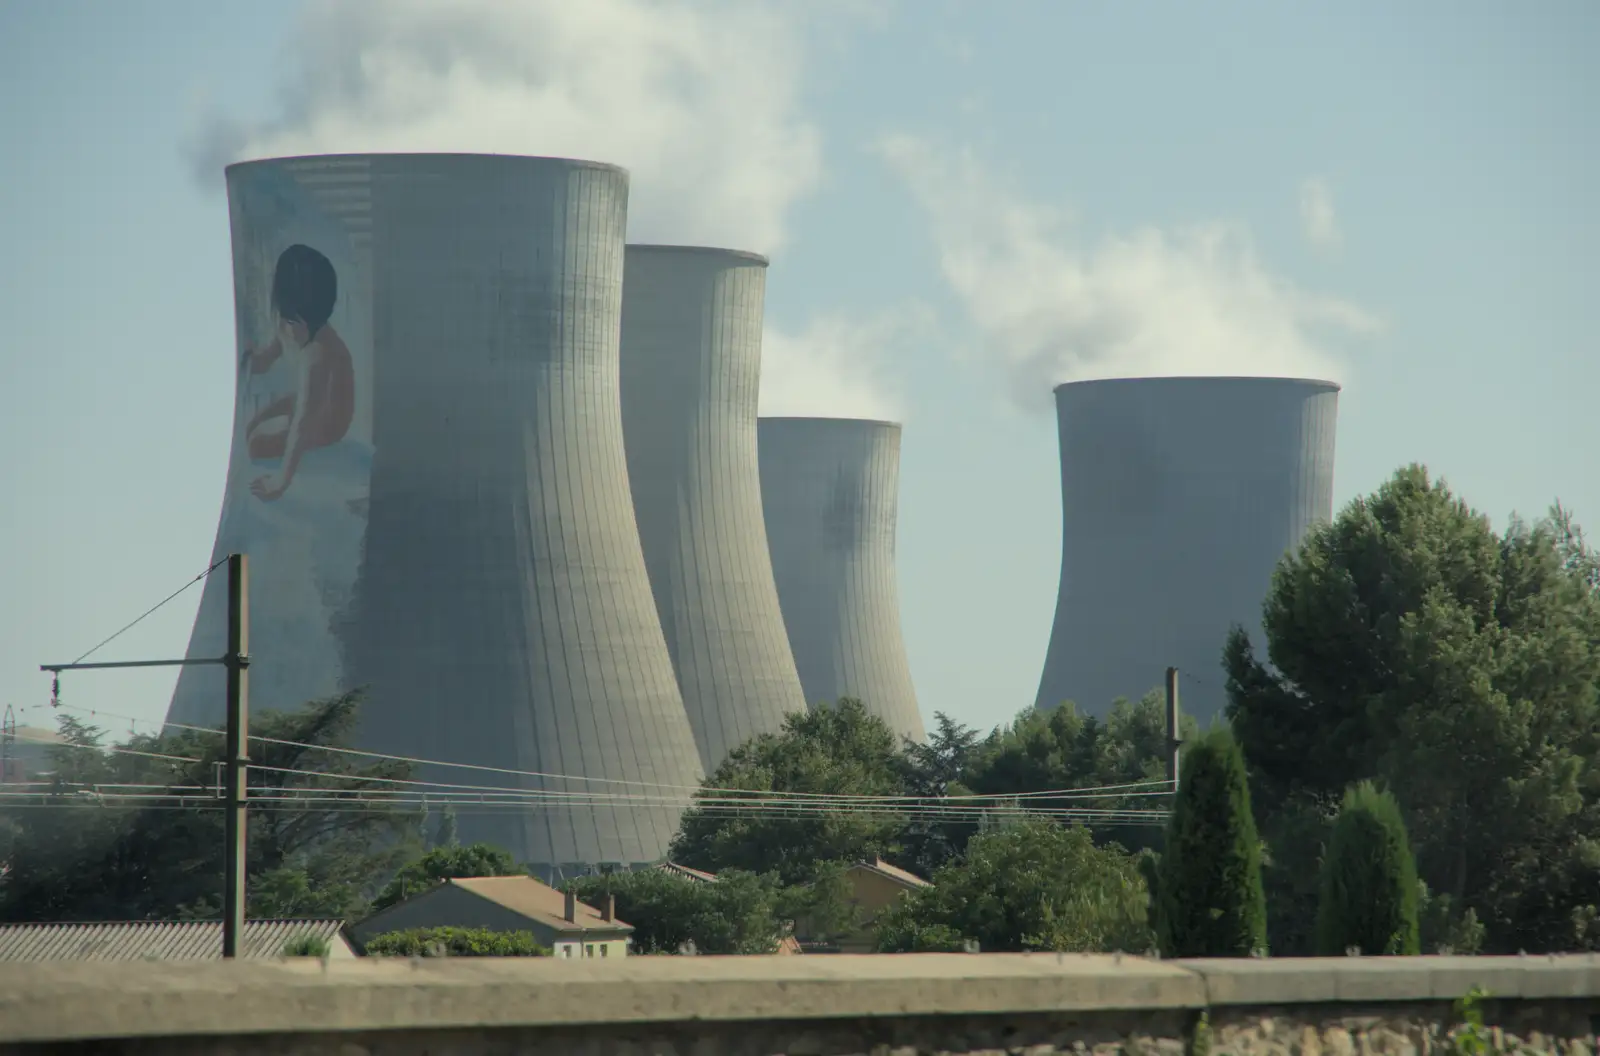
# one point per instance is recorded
(62, 1001)
(510, 159)
(1199, 381)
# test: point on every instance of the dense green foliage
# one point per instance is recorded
(1031, 885)
(739, 913)
(1412, 645)
(931, 770)
(72, 858)
(1211, 902)
(446, 862)
(1062, 748)
(838, 749)
(306, 946)
(1369, 880)
(455, 942)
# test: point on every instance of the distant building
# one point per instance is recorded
(874, 887)
(163, 940)
(30, 754)
(508, 903)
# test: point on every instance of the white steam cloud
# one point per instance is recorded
(838, 366)
(701, 102)
(1147, 302)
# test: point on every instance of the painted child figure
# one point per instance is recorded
(317, 413)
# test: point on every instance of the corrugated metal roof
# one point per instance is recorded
(685, 871)
(893, 872)
(159, 940)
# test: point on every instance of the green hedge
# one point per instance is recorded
(1208, 886)
(455, 942)
(1369, 880)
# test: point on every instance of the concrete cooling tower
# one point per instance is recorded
(830, 489)
(1178, 498)
(428, 475)
(691, 371)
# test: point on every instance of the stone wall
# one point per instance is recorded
(1039, 1005)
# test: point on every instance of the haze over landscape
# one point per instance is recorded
(964, 205)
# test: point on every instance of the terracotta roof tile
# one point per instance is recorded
(537, 901)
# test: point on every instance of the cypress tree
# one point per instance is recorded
(1209, 892)
(1368, 898)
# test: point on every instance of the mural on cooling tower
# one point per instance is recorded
(297, 487)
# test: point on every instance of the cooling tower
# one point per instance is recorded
(830, 489)
(691, 371)
(429, 477)
(1178, 498)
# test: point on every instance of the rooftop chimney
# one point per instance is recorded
(572, 907)
(608, 909)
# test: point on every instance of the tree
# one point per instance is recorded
(455, 942)
(1369, 880)
(1211, 900)
(1408, 643)
(738, 913)
(835, 750)
(934, 769)
(446, 834)
(1063, 749)
(1033, 885)
(451, 861)
(1445, 929)
(80, 852)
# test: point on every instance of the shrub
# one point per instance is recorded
(1210, 897)
(455, 942)
(443, 863)
(306, 946)
(735, 914)
(1030, 885)
(1368, 895)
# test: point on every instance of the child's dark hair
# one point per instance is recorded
(304, 288)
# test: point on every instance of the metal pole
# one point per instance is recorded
(237, 742)
(1174, 742)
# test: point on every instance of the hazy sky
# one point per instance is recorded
(964, 203)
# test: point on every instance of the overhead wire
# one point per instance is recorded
(151, 611)
(118, 749)
(1161, 785)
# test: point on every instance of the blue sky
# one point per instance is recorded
(1445, 153)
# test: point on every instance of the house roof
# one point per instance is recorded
(537, 901)
(893, 872)
(685, 871)
(164, 940)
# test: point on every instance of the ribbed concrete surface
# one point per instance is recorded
(164, 940)
(502, 615)
(303, 580)
(1179, 496)
(691, 372)
(830, 491)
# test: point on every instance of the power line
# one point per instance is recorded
(340, 805)
(151, 611)
(1118, 789)
(118, 749)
